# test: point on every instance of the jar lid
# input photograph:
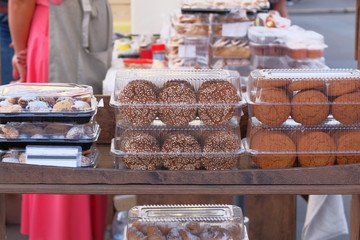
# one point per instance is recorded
(158, 47)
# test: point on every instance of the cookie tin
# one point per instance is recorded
(293, 144)
(29, 102)
(191, 148)
(89, 157)
(307, 96)
(20, 134)
(177, 97)
(186, 222)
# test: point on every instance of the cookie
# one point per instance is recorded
(8, 132)
(309, 107)
(6, 106)
(139, 92)
(38, 106)
(346, 143)
(63, 106)
(269, 142)
(341, 86)
(346, 108)
(316, 142)
(266, 82)
(24, 101)
(304, 84)
(178, 82)
(179, 143)
(79, 132)
(182, 112)
(215, 98)
(80, 106)
(30, 129)
(271, 106)
(221, 141)
(134, 234)
(49, 100)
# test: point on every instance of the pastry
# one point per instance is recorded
(339, 87)
(146, 145)
(231, 48)
(271, 106)
(84, 98)
(38, 106)
(182, 112)
(49, 100)
(346, 109)
(221, 141)
(6, 106)
(64, 105)
(347, 143)
(273, 150)
(22, 158)
(57, 129)
(315, 142)
(24, 101)
(304, 84)
(218, 99)
(8, 132)
(79, 132)
(174, 146)
(80, 106)
(138, 92)
(309, 107)
(30, 129)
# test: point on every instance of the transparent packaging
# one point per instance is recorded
(177, 97)
(234, 24)
(305, 44)
(20, 134)
(269, 62)
(270, 49)
(230, 47)
(46, 102)
(186, 222)
(242, 66)
(224, 4)
(192, 148)
(293, 144)
(137, 63)
(190, 24)
(308, 96)
(89, 158)
(264, 35)
(307, 63)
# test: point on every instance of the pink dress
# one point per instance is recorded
(56, 217)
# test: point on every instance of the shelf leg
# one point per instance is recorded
(355, 218)
(2, 217)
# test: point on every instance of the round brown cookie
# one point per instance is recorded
(267, 144)
(220, 92)
(182, 112)
(146, 145)
(179, 143)
(346, 108)
(206, 84)
(222, 141)
(341, 86)
(310, 107)
(178, 82)
(63, 106)
(271, 106)
(139, 92)
(266, 83)
(348, 143)
(304, 84)
(316, 142)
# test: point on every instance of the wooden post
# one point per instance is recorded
(355, 218)
(2, 217)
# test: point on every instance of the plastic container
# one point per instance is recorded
(89, 157)
(228, 47)
(308, 96)
(190, 24)
(191, 148)
(292, 144)
(234, 24)
(158, 51)
(200, 5)
(269, 62)
(29, 102)
(307, 63)
(187, 222)
(242, 66)
(188, 95)
(16, 134)
(264, 35)
(137, 63)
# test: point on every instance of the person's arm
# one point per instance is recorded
(20, 17)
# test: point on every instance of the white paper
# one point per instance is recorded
(235, 29)
(187, 51)
(63, 156)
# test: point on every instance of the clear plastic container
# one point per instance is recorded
(186, 222)
(192, 148)
(177, 97)
(269, 62)
(229, 47)
(263, 35)
(307, 63)
(224, 4)
(270, 49)
(137, 63)
(292, 144)
(190, 24)
(20, 134)
(305, 44)
(234, 24)
(27, 102)
(89, 158)
(242, 66)
(308, 96)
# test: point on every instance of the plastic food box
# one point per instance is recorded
(224, 4)
(20, 134)
(308, 96)
(186, 222)
(292, 144)
(136, 63)
(89, 157)
(28, 102)
(190, 24)
(234, 24)
(191, 148)
(177, 97)
(230, 47)
(269, 62)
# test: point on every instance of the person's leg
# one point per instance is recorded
(6, 52)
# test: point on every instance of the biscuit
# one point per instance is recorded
(304, 84)
(50, 100)
(265, 82)
(63, 106)
(271, 106)
(8, 132)
(315, 142)
(346, 143)
(38, 106)
(309, 107)
(341, 86)
(80, 106)
(346, 108)
(265, 142)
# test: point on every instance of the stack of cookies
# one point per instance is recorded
(304, 117)
(48, 114)
(177, 119)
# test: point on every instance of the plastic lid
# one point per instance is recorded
(160, 47)
(138, 60)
